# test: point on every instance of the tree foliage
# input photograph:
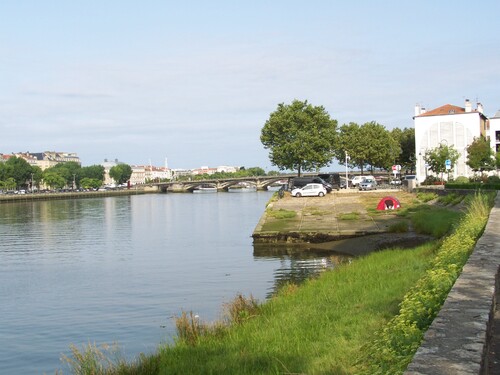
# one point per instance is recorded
(300, 137)
(367, 145)
(436, 158)
(120, 173)
(480, 156)
(406, 140)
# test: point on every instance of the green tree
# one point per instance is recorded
(53, 179)
(93, 171)
(436, 158)
(120, 173)
(367, 145)
(406, 140)
(90, 183)
(70, 171)
(20, 170)
(300, 137)
(381, 149)
(480, 156)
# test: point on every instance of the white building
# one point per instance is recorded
(495, 132)
(448, 125)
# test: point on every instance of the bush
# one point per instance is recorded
(461, 180)
(431, 180)
(493, 180)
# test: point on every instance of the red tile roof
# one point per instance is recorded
(446, 109)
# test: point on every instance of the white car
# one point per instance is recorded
(310, 190)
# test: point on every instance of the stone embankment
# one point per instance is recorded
(6, 198)
(465, 336)
(339, 222)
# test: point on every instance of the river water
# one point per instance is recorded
(117, 269)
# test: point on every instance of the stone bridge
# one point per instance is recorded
(259, 182)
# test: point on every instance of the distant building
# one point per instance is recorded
(448, 125)
(47, 159)
(495, 132)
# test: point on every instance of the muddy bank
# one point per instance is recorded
(351, 246)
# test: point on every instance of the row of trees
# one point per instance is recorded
(302, 137)
(17, 173)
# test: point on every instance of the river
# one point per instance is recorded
(118, 269)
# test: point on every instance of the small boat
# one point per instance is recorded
(205, 189)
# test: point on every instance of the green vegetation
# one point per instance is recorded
(426, 197)
(434, 221)
(394, 346)
(299, 136)
(451, 199)
(436, 158)
(282, 214)
(16, 173)
(399, 227)
(349, 216)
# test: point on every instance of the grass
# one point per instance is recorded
(349, 216)
(317, 328)
(434, 221)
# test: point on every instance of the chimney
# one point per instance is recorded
(417, 109)
(480, 108)
(468, 106)
(423, 110)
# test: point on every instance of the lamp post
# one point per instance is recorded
(74, 176)
(346, 170)
(32, 191)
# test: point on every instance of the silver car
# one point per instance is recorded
(368, 184)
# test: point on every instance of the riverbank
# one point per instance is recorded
(346, 222)
(9, 198)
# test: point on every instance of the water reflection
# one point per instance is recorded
(297, 262)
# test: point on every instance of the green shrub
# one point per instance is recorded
(461, 180)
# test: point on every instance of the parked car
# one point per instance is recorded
(310, 190)
(368, 184)
(357, 179)
(395, 181)
(299, 182)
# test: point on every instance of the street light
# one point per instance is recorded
(74, 176)
(346, 166)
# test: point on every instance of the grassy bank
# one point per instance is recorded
(374, 309)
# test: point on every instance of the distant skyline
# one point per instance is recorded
(195, 81)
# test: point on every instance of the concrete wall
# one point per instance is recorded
(458, 340)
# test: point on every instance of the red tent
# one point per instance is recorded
(388, 203)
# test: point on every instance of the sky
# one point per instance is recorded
(194, 82)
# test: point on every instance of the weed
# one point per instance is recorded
(349, 216)
(426, 197)
(241, 309)
(282, 214)
(400, 227)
